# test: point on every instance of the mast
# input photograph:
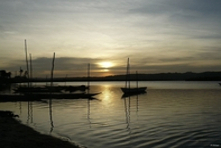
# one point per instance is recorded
(50, 100)
(52, 70)
(127, 82)
(30, 68)
(26, 55)
(88, 76)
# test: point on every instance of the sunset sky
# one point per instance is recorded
(157, 35)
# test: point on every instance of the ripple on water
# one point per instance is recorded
(162, 118)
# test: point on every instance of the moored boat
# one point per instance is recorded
(44, 89)
(40, 96)
(128, 89)
(134, 90)
(39, 89)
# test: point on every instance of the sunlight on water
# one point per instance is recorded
(170, 114)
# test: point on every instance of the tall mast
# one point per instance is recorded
(30, 68)
(126, 73)
(50, 100)
(52, 70)
(88, 76)
(127, 82)
(26, 54)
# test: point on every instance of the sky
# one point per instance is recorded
(159, 36)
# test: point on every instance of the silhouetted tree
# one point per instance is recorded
(4, 74)
(20, 71)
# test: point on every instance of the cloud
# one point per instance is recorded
(157, 35)
(63, 66)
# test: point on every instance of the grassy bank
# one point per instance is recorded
(13, 134)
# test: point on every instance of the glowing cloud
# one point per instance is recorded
(105, 64)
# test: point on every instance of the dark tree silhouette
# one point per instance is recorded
(20, 71)
(4, 74)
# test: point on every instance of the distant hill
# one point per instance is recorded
(188, 76)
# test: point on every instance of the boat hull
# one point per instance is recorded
(39, 96)
(133, 90)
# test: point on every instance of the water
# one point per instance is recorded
(170, 115)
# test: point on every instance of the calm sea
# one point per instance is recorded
(170, 115)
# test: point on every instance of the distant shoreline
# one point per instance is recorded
(188, 76)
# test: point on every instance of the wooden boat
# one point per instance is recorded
(40, 96)
(36, 89)
(42, 89)
(131, 90)
(61, 95)
(50, 92)
(134, 90)
(73, 88)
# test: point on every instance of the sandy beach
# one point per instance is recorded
(14, 134)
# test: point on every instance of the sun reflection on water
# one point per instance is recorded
(106, 93)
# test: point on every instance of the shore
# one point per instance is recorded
(14, 134)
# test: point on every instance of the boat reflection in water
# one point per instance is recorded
(125, 95)
(127, 98)
(170, 114)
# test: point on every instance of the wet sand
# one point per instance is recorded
(13, 134)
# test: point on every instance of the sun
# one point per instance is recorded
(105, 64)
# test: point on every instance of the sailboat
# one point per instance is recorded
(131, 90)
